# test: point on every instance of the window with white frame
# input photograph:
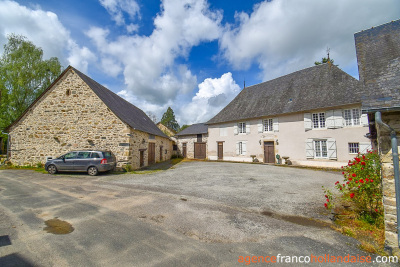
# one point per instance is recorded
(318, 120)
(242, 127)
(240, 148)
(351, 116)
(354, 148)
(320, 149)
(268, 125)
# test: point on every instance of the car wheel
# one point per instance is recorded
(93, 171)
(52, 169)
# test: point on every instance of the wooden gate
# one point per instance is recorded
(220, 150)
(269, 154)
(152, 153)
(199, 150)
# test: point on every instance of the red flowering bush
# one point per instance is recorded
(361, 186)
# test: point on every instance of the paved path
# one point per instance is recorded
(197, 214)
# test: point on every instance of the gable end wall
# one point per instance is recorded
(59, 123)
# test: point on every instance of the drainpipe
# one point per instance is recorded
(395, 153)
(8, 143)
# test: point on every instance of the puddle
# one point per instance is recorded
(297, 220)
(58, 227)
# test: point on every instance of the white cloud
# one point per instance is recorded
(213, 95)
(117, 9)
(149, 63)
(283, 36)
(44, 30)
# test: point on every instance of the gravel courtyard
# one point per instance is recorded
(194, 214)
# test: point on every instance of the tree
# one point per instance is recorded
(168, 119)
(152, 116)
(324, 60)
(183, 127)
(24, 75)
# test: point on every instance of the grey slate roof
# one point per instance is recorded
(378, 57)
(124, 110)
(199, 128)
(322, 86)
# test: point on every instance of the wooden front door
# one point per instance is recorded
(141, 158)
(161, 153)
(220, 150)
(199, 150)
(152, 153)
(184, 150)
(269, 154)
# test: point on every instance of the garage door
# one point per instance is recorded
(199, 150)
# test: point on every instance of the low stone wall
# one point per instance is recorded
(389, 192)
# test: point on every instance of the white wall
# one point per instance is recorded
(289, 140)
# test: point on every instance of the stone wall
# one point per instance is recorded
(389, 193)
(70, 116)
(190, 140)
(378, 57)
(140, 141)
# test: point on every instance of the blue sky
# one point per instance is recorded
(192, 55)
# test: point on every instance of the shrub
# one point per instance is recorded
(361, 187)
(128, 168)
(39, 165)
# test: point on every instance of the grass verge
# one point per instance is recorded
(371, 236)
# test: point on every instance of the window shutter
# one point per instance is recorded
(247, 128)
(244, 148)
(364, 147)
(260, 126)
(235, 130)
(309, 149)
(275, 126)
(364, 120)
(307, 121)
(237, 148)
(338, 116)
(330, 120)
(331, 143)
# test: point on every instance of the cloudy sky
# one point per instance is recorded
(192, 55)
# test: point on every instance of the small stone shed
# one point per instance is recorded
(75, 113)
(192, 141)
(378, 56)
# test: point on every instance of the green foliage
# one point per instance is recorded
(24, 75)
(324, 60)
(128, 168)
(361, 187)
(168, 119)
(183, 127)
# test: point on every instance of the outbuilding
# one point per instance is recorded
(192, 141)
(76, 113)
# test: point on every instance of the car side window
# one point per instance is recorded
(71, 155)
(95, 155)
(83, 155)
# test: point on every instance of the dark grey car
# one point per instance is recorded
(90, 161)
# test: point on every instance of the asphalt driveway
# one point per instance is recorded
(195, 214)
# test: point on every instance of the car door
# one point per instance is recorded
(67, 162)
(82, 161)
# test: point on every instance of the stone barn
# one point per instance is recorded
(75, 113)
(192, 141)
